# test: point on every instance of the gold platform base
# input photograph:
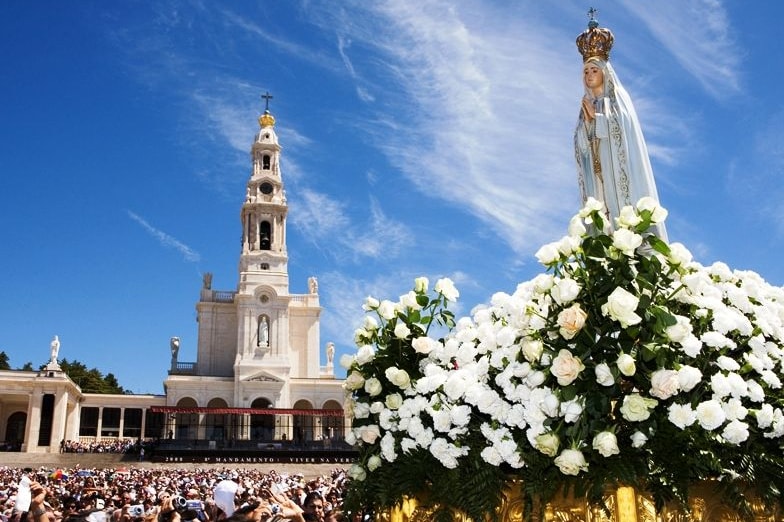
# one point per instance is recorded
(625, 504)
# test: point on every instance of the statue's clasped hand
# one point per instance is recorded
(589, 113)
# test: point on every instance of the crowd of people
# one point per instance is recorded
(98, 446)
(168, 495)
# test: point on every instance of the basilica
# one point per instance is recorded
(261, 374)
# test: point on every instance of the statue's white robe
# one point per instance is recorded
(626, 168)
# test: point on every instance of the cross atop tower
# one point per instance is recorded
(267, 97)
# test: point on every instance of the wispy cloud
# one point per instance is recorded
(325, 222)
(476, 127)
(166, 240)
(698, 34)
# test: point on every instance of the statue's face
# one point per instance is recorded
(593, 76)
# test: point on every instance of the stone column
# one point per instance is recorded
(100, 423)
(33, 421)
(59, 418)
(120, 434)
(72, 421)
(144, 424)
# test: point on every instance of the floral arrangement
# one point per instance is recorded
(625, 363)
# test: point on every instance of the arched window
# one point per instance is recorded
(265, 162)
(304, 425)
(265, 235)
(262, 427)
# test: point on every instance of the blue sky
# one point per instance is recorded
(419, 138)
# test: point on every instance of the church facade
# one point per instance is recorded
(261, 373)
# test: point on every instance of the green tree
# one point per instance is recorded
(4, 361)
(92, 380)
(28, 367)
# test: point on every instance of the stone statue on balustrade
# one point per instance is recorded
(174, 345)
(330, 353)
(54, 350)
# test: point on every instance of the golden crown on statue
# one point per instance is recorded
(595, 41)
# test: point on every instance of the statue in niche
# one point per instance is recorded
(206, 280)
(174, 346)
(313, 285)
(54, 350)
(330, 353)
(263, 337)
(612, 158)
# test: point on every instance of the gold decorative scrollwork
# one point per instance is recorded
(624, 504)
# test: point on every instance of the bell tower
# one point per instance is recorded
(264, 258)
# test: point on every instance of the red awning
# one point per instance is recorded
(247, 411)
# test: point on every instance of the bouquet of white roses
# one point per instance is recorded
(626, 363)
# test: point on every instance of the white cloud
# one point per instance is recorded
(166, 240)
(325, 222)
(699, 36)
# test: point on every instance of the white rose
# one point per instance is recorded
(393, 401)
(566, 367)
(571, 320)
(409, 300)
(361, 336)
(371, 303)
(626, 241)
(365, 354)
(679, 255)
(548, 254)
(628, 218)
(764, 416)
(636, 408)
(621, 306)
(374, 462)
(626, 364)
(689, 377)
(658, 213)
(532, 349)
(361, 410)
(387, 309)
(576, 227)
(446, 287)
(680, 331)
(543, 282)
(604, 375)
(664, 383)
(681, 415)
(373, 386)
(370, 324)
(376, 407)
(571, 462)
(565, 291)
(420, 285)
(638, 439)
(398, 377)
(591, 205)
(401, 330)
(568, 245)
(423, 345)
(710, 414)
(606, 444)
(357, 472)
(547, 443)
(571, 410)
(354, 381)
(736, 432)
(369, 433)
(347, 360)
